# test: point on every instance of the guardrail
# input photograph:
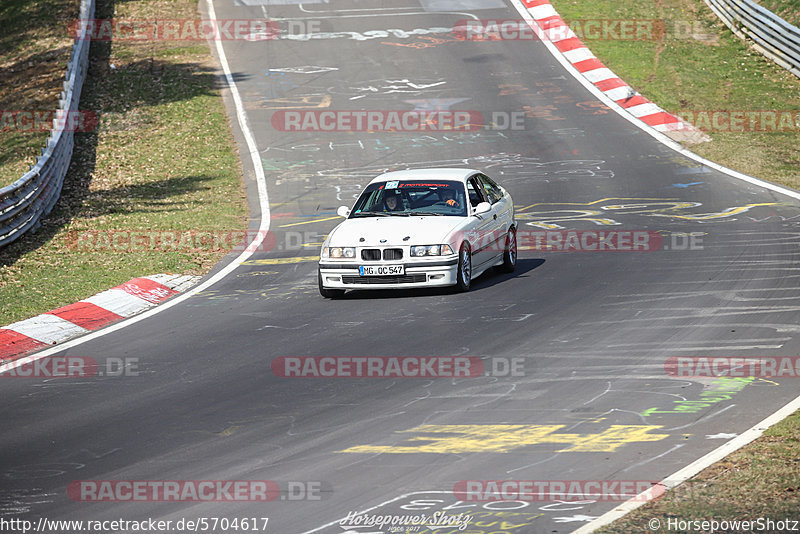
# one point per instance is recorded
(26, 201)
(771, 35)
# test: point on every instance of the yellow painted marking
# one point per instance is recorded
(560, 214)
(588, 203)
(281, 261)
(309, 222)
(725, 213)
(767, 381)
(505, 438)
(668, 204)
(548, 226)
(300, 102)
(654, 206)
(257, 273)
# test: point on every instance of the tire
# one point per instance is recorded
(510, 253)
(464, 276)
(328, 293)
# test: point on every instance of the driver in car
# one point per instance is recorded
(392, 202)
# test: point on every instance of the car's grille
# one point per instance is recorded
(405, 279)
(393, 254)
(371, 254)
(374, 254)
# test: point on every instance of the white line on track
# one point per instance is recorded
(304, 10)
(468, 15)
(263, 199)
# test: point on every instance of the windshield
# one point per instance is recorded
(411, 197)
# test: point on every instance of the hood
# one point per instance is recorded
(420, 230)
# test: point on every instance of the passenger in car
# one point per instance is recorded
(449, 198)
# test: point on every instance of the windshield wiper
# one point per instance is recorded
(427, 213)
(373, 213)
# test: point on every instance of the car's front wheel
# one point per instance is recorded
(510, 252)
(328, 293)
(464, 277)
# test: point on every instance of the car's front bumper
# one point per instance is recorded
(345, 275)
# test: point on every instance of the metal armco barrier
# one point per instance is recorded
(26, 201)
(771, 35)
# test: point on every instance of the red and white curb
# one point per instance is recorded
(90, 314)
(578, 54)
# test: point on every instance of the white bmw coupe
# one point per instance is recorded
(420, 228)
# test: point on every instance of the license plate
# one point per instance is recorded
(380, 270)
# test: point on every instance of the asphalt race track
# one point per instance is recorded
(589, 331)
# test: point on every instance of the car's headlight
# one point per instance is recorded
(338, 252)
(431, 250)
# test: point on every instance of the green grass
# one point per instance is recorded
(705, 69)
(34, 51)
(162, 159)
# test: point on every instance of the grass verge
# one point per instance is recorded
(34, 51)
(699, 66)
(162, 160)
(761, 480)
(707, 68)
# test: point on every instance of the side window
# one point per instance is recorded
(375, 200)
(494, 192)
(476, 192)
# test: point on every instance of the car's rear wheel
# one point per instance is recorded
(510, 253)
(328, 293)
(464, 277)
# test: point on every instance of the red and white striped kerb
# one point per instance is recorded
(89, 314)
(556, 30)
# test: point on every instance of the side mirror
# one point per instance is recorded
(483, 207)
(343, 211)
